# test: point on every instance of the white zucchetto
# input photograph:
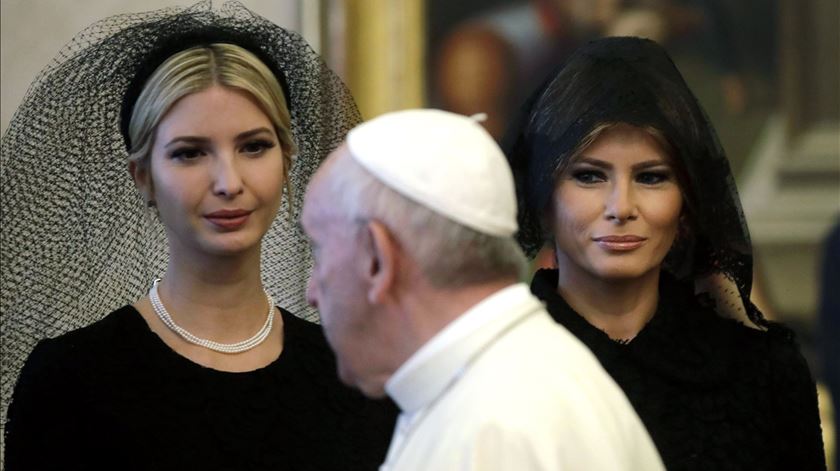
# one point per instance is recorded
(445, 161)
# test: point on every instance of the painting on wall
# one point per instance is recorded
(487, 56)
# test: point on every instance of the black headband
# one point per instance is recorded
(170, 46)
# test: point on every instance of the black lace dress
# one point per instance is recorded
(713, 393)
(113, 396)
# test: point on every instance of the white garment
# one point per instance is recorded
(504, 387)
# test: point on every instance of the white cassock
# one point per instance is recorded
(504, 387)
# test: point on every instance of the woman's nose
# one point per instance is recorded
(227, 177)
(620, 205)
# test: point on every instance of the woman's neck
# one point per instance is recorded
(215, 297)
(619, 307)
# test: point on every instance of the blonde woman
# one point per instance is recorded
(205, 370)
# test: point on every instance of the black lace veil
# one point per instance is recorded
(77, 241)
(633, 81)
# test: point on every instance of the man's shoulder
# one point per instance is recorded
(538, 346)
(540, 368)
(537, 394)
(540, 376)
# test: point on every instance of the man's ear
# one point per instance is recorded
(384, 262)
(143, 181)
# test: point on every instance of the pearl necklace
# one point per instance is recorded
(237, 347)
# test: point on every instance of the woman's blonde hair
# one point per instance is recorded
(198, 68)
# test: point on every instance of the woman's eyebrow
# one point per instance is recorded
(188, 140)
(608, 165)
(651, 163)
(252, 132)
(594, 162)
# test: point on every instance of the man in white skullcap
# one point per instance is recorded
(417, 280)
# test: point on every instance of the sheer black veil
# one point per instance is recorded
(77, 241)
(634, 81)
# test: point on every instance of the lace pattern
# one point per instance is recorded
(713, 393)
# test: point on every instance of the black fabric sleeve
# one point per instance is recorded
(39, 432)
(799, 430)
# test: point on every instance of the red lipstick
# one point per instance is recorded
(228, 219)
(620, 243)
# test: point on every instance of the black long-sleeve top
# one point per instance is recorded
(713, 393)
(114, 396)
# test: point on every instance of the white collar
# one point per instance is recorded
(427, 373)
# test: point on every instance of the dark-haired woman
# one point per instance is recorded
(620, 173)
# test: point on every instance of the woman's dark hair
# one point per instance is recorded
(633, 81)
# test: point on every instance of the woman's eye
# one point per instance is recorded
(186, 153)
(257, 147)
(588, 177)
(652, 178)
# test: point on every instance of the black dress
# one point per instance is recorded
(713, 393)
(114, 396)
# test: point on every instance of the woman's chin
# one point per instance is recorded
(623, 273)
(230, 245)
